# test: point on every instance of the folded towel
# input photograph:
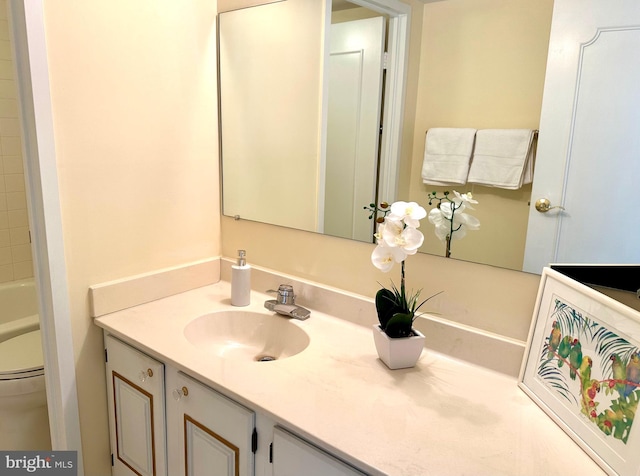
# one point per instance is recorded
(447, 153)
(503, 158)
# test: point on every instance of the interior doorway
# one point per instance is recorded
(27, 31)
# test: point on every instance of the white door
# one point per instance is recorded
(353, 126)
(135, 384)
(207, 433)
(589, 143)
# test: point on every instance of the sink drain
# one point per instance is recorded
(265, 358)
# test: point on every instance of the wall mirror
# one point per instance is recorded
(282, 122)
(300, 139)
(274, 132)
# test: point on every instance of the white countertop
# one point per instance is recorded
(442, 417)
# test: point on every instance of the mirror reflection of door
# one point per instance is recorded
(353, 124)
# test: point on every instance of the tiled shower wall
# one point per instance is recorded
(15, 247)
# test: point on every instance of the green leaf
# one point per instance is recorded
(399, 325)
(386, 305)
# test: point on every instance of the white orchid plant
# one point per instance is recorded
(449, 218)
(397, 237)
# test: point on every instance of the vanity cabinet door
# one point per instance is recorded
(135, 386)
(293, 456)
(208, 434)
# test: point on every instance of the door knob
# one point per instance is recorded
(543, 205)
(144, 374)
(178, 393)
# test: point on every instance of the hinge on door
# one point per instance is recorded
(385, 58)
(271, 453)
(111, 459)
(254, 441)
(106, 359)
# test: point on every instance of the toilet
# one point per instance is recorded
(24, 420)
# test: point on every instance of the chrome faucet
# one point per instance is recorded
(285, 303)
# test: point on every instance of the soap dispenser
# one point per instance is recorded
(241, 281)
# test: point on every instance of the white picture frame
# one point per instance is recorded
(582, 367)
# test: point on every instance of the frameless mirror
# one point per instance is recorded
(293, 124)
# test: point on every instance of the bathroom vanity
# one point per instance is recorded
(177, 403)
(162, 421)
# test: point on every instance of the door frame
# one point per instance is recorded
(26, 20)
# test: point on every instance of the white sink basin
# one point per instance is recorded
(246, 335)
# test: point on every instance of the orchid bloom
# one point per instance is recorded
(384, 257)
(410, 213)
(442, 224)
(466, 198)
(396, 234)
(397, 237)
(451, 223)
(457, 227)
(449, 220)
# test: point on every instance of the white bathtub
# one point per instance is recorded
(18, 308)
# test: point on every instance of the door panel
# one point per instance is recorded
(207, 452)
(135, 385)
(208, 433)
(134, 410)
(353, 126)
(589, 146)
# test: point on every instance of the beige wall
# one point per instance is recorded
(490, 298)
(15, 248)
(483, 65)
(134, 108)
(135, 121)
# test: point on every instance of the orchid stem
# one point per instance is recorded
(402, 280)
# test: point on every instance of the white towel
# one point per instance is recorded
(503, 158)
(447, 153)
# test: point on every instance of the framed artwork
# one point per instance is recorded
(582, 367)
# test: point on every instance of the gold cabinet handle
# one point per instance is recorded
(543, 205)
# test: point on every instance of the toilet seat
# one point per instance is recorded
(24, 418)
(21, 357)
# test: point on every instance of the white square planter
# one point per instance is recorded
(400, 352)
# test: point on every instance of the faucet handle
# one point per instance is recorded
(285, 294)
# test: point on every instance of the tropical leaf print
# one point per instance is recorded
(609, 343)
(593, 369)
(571, 321)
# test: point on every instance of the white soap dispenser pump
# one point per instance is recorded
(241, 281)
